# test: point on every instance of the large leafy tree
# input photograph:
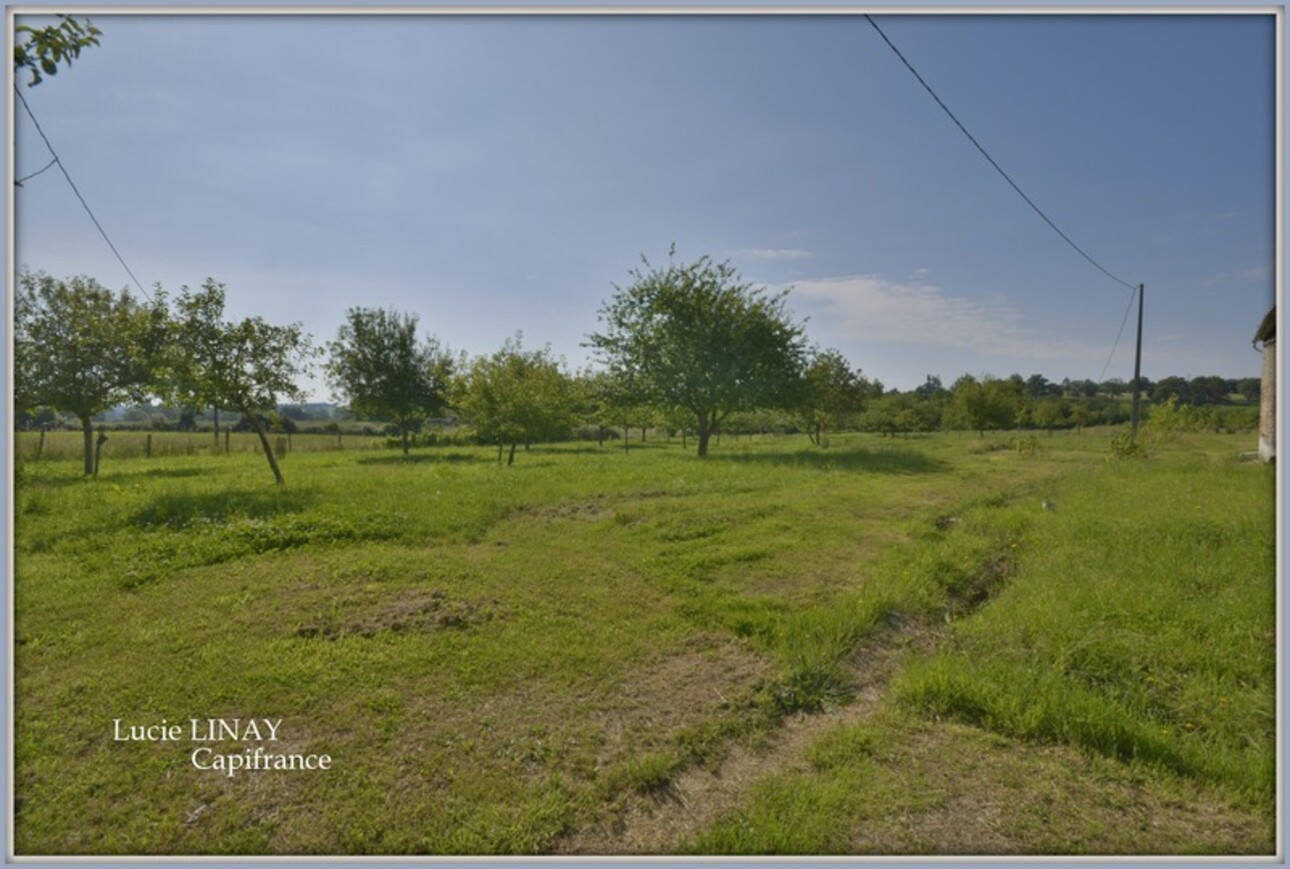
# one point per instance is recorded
(515, 396)
(246, 365)
(697, 336)
(81, 348)
(379, 367)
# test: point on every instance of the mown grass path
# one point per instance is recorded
(508, 660)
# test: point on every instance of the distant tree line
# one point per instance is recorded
(689, 348)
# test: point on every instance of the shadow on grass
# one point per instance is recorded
(182, 509)
(162, 473)
(107, 477)
(425, 458)
(888, 461)
(609, 448)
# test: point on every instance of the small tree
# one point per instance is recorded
(988, 404)
(378, 366)
(80, 348)
(515, 396)
(244, 365)
(831, 394)
(696, 336)
(1049, 413)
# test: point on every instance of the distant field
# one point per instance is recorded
(65, 445)
(887, 646)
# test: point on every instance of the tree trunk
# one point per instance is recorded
(642, 434)
(704, 434)
(264, 442)
(215, 413)
(98, 449)
(510, 460)
(626, 438)
(405, 440)
(40, 448)
(600, 436)
(87, 433)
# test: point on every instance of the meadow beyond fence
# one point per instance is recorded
(937, 644)
(126, 444)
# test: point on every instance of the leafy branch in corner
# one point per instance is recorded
(44, 48)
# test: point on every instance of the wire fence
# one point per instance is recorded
(69, 445)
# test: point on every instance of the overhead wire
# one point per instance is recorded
(992, 161)
(47, 166)
(1116, 345)
(58, 161)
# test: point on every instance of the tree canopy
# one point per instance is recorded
(81, 348)
(245, 365)
(378, 366)
(831, 393)
(697, 336)
(515, 396)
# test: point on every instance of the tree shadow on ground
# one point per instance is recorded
(108, 476)
(162, 473)
(425, 458)
(182, 509)
(610, 448)
(886, 461)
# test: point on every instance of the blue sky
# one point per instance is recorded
(502, 173)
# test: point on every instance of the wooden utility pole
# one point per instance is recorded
(1137, 364)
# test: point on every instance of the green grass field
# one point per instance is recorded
(886, 646)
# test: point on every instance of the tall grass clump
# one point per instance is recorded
(1140, 625)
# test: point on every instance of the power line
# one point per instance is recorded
(987, 156)
(1116, 345)
(72, 183)
(37, 172)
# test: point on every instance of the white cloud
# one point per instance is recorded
(778, 253)
(872, 308)
(1258, 273)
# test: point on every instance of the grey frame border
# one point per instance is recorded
(1278, 11)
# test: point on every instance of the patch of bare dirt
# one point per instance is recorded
(663, 694)
(592, 509)
(696, 797)
(411, 611)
